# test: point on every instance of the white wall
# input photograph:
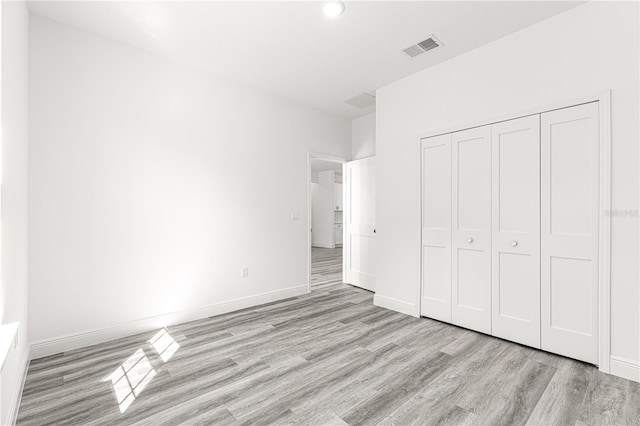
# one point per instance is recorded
(363, 136)
(582, 52)
(152, 185)
(13, 266)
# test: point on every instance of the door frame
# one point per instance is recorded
(604, 222)
(312, 155)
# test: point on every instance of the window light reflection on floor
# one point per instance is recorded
(164, 344)
(130, 378)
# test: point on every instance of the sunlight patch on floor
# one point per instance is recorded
(130, 378)
(164, 344)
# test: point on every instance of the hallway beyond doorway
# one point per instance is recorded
(326, 269)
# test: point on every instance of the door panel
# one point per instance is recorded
(360, 244)
(569, 231)
(571, 192)
(473, 180)
(437, 274)
(513, 284)
(471, 228)
(566, 284)
(436, 227)
(471, 286)
(516, 230)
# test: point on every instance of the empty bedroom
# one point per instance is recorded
(320, 213)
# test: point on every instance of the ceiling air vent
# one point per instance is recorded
(424, 46)
(413, 51)
(361, 101)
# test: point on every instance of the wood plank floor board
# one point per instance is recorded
(323, 379)
(399, 388)
(302, 341)
(607, 402)
(203, 416)
(562, 401)
(519, 396)
(313, 395)
(443, 393)
(163, 394)
(348, 394)
(296, 379)
(326, 358)
(367, 383)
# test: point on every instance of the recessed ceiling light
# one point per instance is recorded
(333, 8)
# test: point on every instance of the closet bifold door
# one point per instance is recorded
(471, 229)
(436, 227)
(516, 230)
(569, 227)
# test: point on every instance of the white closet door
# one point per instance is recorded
(360, 223)
(436, 228)
(569, 228)
(471, 229)
(516, 230)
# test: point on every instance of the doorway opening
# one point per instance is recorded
(326, 222)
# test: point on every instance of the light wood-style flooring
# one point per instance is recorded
(327, 358)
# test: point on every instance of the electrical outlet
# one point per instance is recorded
(245, 272)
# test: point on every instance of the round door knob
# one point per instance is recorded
(374, 231)
(469, 240)
(514, 243)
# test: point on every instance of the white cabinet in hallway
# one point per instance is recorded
(326, 214)
(338, 196)
(510, 216)
(338, 236)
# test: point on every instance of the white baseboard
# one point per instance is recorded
(395, 305)
(91, 337)
(321, 245)
(16, 396)
(625, 368)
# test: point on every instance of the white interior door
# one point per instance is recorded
(516, 230)
(360, 223)
(471, 229)
(436, 227)
(569, 228)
